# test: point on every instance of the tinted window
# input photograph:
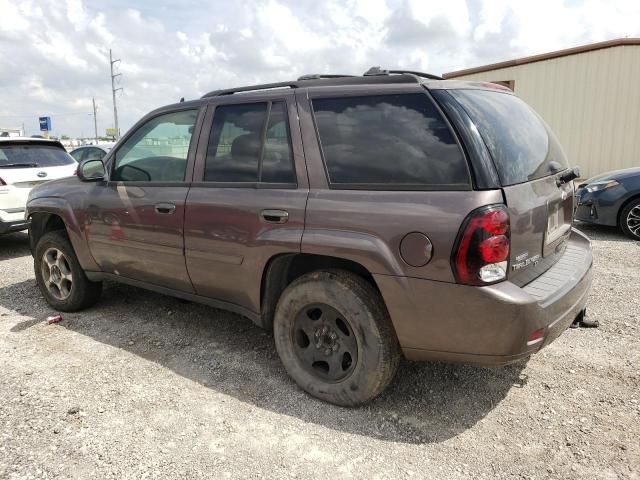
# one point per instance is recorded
(157, 151)
(277, 164)
(33, 156)
(235, 151)
(522, 146)
(388, 139)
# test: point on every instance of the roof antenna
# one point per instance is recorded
(182, 100)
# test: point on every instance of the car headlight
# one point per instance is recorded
(603, 185)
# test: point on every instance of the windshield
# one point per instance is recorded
(521, 144)
(25, 156)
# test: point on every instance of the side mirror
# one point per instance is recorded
(91, 170)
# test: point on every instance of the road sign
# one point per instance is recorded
(45, 124)
(111, 132)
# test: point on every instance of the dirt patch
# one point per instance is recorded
(148, 386)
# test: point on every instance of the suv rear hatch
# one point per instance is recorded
(529, 161)
(27, 163)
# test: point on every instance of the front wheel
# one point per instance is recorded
(60, 277)
(630, 220)
(334, 337)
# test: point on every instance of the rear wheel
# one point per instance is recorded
(630, 220)
(334, 337)
(59, 275)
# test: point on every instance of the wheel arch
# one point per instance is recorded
(52, 213)
(41, 223)
(624, 205)
(283, 269)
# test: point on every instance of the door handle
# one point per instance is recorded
(275, 216)
(165, 208)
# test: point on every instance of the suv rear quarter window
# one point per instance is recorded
(388, 141)
(522, 146)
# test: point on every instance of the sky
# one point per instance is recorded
(54, 55)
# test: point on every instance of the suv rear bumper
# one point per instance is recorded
(489, 325)
(8, 225)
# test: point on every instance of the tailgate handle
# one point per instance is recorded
(568, 176)
(165, 208)
(275, 216)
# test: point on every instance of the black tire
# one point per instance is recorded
(362, 330)
(79, 292)
(630, 219)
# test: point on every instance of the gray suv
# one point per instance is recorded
(360, 218)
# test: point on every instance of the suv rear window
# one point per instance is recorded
(522, 146)
(36, 156)
(388, 140)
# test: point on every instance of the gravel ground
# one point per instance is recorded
(146, 386)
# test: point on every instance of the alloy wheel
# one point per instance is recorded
(633, 220)
(56, 273)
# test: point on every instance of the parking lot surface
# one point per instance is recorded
(147, 386)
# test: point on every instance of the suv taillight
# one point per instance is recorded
(481, 255)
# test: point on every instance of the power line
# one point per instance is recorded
(95, 118)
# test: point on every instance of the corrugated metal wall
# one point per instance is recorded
(591, 101)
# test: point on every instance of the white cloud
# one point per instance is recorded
(551, 25)
(54, 54)
(76, 14)
(374, 12)
(287, 29)
(492, 15)
(14, 19)
(455, 12)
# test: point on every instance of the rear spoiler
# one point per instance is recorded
(32, 142)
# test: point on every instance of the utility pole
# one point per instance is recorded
(113, 91)
(95, 118)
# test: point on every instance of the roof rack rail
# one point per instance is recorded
(318, 76)
(374, 75)
(250, 88)
(374, 71)
(418, 74)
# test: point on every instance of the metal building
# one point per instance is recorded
(589, 95)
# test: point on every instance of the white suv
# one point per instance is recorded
(25, 163)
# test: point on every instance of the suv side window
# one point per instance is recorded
(397, 140)
(157, 151)
(277, 164)
(250, 143)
